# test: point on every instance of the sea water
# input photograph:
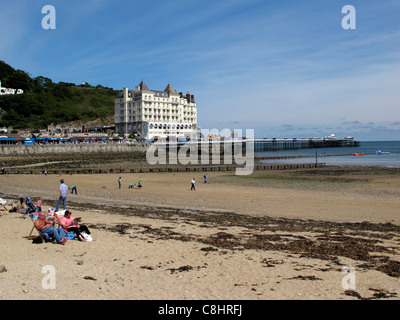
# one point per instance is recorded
(342, 155)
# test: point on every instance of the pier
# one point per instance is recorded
(8, 148)
(259, 145)
(274, 144)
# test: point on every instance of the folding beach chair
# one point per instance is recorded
(3, 203)
(43, 235)
(58, 216)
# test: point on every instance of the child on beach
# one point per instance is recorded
(119, 182)
(39, 204)
(193, 182)
(73, 188)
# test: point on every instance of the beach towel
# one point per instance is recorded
(34, 215)
(71, 235)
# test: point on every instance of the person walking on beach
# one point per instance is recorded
(119, 182)
(63, 195)
(205, 178)
(193, 182)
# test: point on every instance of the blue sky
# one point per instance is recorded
(284, 68)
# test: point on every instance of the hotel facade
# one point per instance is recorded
(155, 114)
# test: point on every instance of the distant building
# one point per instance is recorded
(155, 114)
(63, 128)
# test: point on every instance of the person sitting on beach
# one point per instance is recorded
(140, 183)
(18, 207)
(46, 226)
(71, 224)
(39, 204)
(131, 186)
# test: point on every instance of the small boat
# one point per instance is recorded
(358, 154)
(382, 152)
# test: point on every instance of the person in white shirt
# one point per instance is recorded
(63, 195)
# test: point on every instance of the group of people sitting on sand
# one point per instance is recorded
(19, 206)
(67, 224)
(46, 224)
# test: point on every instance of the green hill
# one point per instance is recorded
(45, 102)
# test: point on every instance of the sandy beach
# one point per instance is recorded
(269, 236)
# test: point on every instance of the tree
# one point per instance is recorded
(18, 80)
(5, 70)
(40, 84)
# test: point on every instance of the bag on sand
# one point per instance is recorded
(37, 240)
(86, 236)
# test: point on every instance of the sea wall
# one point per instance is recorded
(20, 150)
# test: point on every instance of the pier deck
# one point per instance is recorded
(262, 145)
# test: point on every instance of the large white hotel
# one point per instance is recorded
(156, 114)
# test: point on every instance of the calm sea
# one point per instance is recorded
(343, 156)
